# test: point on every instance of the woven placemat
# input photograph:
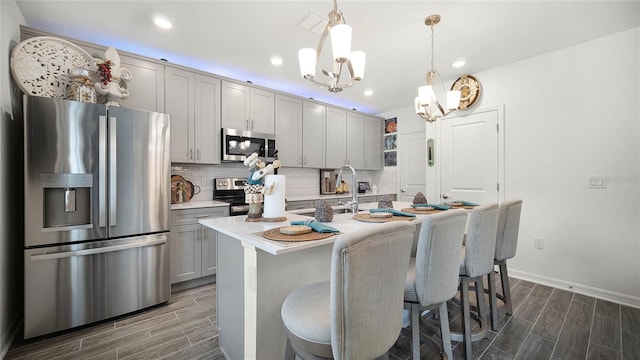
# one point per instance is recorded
(366, 217)
(420, 212)
(274, 234)
(459, 206)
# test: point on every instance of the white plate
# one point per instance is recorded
(40, 65)
(380, 215)
(423, 208)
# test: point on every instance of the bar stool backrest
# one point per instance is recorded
(508, 225)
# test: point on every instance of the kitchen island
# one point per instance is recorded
(255, 275)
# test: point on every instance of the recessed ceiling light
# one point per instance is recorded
(368, 92)
(162, 22)
(457, 64)
(276, 61)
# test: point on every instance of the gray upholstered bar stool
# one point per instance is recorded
(358, 313)
(506, 244)
(433, 273)
(477, 261)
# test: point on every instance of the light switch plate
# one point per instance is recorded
(597, 182)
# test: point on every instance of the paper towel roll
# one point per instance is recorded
(274, 202)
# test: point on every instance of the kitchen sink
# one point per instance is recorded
(335, 211)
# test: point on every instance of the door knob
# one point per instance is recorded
(445, 196)
(403, 190)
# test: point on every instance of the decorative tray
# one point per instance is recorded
(366, 217)
(275, 234)
(40, 65)
(420, 212)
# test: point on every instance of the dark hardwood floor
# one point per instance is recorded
(185, 328)
(547, 323)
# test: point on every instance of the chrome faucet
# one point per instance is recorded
(353, 204)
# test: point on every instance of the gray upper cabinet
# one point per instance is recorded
(308, 133)
(373, 138)
(313, 134)
(247, 108)
(193, 103)
(336, 138)
(288, 130)
(355, 140)
(146, 87)
(208, 135)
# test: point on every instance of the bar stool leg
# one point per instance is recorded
(445, 334)
(482, 307)
(506, 289)
(415, 330)
(466, 317)
(289, 354)
(493, 301)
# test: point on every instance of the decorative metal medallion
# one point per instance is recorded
(40, 65)
(469, 91)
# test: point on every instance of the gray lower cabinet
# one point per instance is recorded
(192, 247)
(362, 199)
(300, 204)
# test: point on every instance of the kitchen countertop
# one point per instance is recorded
(198, 204)
(246, 232)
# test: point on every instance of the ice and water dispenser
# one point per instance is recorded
(67, 200)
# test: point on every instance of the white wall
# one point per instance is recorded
(10, 185)
(570, 114)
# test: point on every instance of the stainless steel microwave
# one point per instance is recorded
(238, 144)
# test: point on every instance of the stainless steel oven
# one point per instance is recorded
(238, 144)
(231, 190)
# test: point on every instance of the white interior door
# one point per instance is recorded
(470, 150)
(412, 165)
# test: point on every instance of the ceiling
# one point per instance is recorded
(236, 39)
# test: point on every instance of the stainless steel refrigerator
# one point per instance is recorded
(97, 212)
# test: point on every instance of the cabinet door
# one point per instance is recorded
(207, 120)
(146, 88)
(288, 130)
(235, 106)
(313, 135)
(355, 140)
(180, 106)
(336, 138)
(185, 259)
(262, 111)
(373, 143)
(209, 249)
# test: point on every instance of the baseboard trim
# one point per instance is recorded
(190, 284)
(622, 299)
(10, 335)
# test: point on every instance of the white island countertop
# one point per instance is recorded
(249, 232)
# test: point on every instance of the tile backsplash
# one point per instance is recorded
(299, 181)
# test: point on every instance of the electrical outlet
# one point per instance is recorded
(538, 243)
(597, 182)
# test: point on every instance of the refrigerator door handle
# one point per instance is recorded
(112, 172)
(102, 172)
(66, 254)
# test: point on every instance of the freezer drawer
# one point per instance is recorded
(73, 285)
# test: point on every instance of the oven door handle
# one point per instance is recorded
(66, 254)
